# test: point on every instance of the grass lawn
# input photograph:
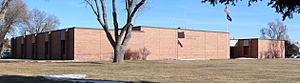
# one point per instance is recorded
(271, 70)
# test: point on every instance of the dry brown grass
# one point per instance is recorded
(272, 70)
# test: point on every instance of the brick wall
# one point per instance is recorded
(18, 50)
(92, 44)
(28, 47)
(271, 49)
(70, 44)
(87, 44)
(40, 42)
(259, 49)
(254, 48)
(55, 47)
(162, 43)
(251, 52)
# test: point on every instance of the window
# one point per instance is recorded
(63, 49)
(22, 51)
(33, 51)
(246, 50)
(46, 49)
(13, 48)
(33, 47)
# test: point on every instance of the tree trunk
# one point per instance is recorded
(5, 4)
(1, 45)
(119, 52)
(1, 49)
(3, 33)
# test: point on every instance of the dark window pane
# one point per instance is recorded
(33, 51)
(246, 50)
(46, 49)
(22, 51)
(63, 47)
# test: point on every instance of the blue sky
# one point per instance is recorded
(189, 14)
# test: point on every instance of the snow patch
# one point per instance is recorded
(66, 77)
(74, 77)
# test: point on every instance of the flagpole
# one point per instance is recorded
(227, 37)
(227, 27)
(227, 18)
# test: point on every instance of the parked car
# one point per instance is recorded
(6, 55)
(295, 56)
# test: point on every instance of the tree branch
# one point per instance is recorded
(97, 6)
(124, 28)
(104, 22)
(94, 10)
(136, 8)
(130, 14)
(115, 20)
(104, 14)
(4, 8)
(127, 35)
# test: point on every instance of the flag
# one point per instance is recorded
(179, 43)
(228, 18)
(226, 10)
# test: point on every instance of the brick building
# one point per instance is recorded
(89, 44)
(257, 48)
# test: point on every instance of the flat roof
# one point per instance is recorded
(67, 29)
(133, 30)
(257, 39)
(180, 29)
(112, 29)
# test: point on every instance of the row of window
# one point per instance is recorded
(46, 50)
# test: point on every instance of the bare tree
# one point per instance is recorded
(38, 21)
(3, 10)
(14, 14)
(120, 40)
(276, 31)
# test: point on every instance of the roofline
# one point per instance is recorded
(51, 31)
(134, 27)
(112, 29)
(68, 29)
(181, 29)
(97, 29)
(258, 39)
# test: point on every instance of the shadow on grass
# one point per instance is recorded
(40, 79)
(46, 61)
(83, 62)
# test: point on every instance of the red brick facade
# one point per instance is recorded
(85, 44)
(258, 48)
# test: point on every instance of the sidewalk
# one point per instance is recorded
(30, 60)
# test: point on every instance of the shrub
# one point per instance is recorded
(141, 54)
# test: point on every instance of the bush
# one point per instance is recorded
(141, 54)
